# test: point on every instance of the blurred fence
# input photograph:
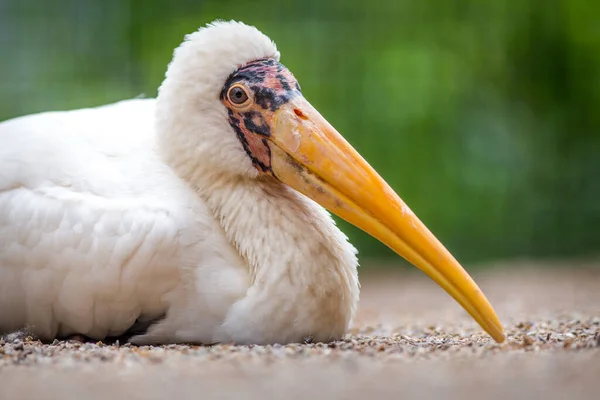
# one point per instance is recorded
(482, 115)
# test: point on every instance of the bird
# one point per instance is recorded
(203, 215)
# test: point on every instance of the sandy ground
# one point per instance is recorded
(410, 340)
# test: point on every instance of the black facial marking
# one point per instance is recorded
(270, 85)
(284, 83)
(236, 125)
(259, 163)
(262, 166)
(254, 72)
(268, 98)
(260, 128)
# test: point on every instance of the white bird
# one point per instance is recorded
(200, 213)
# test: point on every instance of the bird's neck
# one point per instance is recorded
(276, 228)
(293, 249)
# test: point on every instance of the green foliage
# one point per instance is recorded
(480, 114)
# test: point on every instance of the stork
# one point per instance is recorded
(201, 213)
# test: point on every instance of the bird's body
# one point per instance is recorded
(98, 232)
(200, 213)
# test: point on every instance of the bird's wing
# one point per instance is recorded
(87, 239)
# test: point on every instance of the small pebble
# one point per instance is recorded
(531, 325)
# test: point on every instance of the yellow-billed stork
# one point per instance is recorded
(199, 212)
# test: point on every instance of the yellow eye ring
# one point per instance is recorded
(238, 95)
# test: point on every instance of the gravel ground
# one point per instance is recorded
(410, 340)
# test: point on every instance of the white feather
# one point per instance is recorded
(146, 208)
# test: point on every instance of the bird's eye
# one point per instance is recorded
(237, 95)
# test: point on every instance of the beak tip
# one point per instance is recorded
(499, 337)
(317, 161)
(496, 330)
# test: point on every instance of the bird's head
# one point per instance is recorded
(228, 106)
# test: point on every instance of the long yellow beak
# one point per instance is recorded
(312, 157)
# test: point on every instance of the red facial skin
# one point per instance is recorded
(268, 85)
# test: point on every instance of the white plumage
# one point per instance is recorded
(143, 208)
(166, 211)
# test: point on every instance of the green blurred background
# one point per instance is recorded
(481, 114)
